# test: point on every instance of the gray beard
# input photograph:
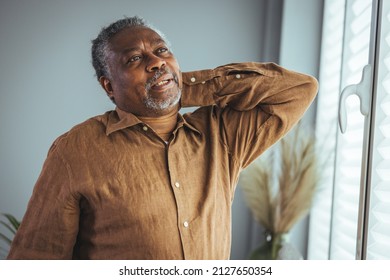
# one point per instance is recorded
(159, 105)
(156, 104)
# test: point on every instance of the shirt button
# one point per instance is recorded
(186, 224)
(177, 184)
(238, 76)
(145, 128)
(193, 79)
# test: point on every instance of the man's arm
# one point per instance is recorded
(50, 225)
(258, 103)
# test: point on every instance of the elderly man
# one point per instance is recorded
(144, 181)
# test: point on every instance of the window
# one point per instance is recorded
(349, 219)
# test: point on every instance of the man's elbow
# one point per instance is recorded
(311, 87)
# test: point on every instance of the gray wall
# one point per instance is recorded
(47, 82)
(300, 51)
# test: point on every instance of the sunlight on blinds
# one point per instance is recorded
(349, 145)
(326, 128)
(378, 245)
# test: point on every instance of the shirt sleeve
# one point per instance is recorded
(255, 103)
(50, 225)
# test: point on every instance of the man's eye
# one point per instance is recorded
(134, 58)
(162, 50)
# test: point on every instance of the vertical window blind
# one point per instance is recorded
(326, 128)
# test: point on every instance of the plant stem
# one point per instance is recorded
(276, 244)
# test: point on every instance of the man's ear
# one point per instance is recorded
(106, 85)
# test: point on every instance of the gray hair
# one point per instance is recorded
(100, 45)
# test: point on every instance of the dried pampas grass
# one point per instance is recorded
(279, 188)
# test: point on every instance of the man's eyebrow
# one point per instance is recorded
(157, 41)
(128, 50)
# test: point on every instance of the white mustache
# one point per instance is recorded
(157, 75)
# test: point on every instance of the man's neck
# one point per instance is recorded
(163, 126)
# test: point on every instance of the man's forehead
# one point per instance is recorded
(133, 37)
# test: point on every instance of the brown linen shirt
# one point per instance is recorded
(111, 188)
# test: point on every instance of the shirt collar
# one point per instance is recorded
(183, 122)
(120, 119)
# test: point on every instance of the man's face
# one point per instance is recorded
(145, 78)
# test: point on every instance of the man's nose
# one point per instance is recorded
(155, 63)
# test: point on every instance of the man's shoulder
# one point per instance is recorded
(89, 130)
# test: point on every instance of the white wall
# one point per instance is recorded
(47, 84)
